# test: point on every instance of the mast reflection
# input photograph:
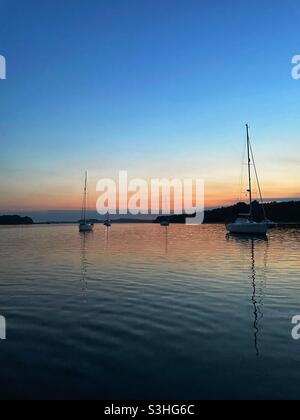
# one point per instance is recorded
(258, 282)
(84, 263)
(107, 237)
(258, 315)
(167, 240)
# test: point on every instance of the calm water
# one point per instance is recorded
(145, 312)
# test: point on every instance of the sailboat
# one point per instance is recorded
(84, 226)
(245, 223)
(107, 222)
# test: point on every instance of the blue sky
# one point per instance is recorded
(161, 88)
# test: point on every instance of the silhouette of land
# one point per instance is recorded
(175, 219)
(98, 221)
(281, 213)
(285, 212)
(15, 220)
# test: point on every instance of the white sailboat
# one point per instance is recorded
(84, 226)
(245, 223)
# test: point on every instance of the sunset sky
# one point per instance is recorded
(159, 88)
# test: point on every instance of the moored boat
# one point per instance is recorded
(107, 222)
(245, 223)
(84, 225)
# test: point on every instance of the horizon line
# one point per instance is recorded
(269, 201)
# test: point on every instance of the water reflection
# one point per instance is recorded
(107, 231)
(84, 263)
(258, 281)
(258, 314)
(166, 239)
(150, 311)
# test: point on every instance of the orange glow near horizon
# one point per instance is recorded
(215, 196)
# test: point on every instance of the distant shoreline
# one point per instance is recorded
(279, 224)
(142, 222)
(282, 213)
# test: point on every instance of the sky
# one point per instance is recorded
(159, 88)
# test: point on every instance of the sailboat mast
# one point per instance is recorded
(85, 198)
(249, 171)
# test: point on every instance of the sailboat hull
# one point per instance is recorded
(248, 228)
(86, 227)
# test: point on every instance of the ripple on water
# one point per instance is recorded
(145, 312)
